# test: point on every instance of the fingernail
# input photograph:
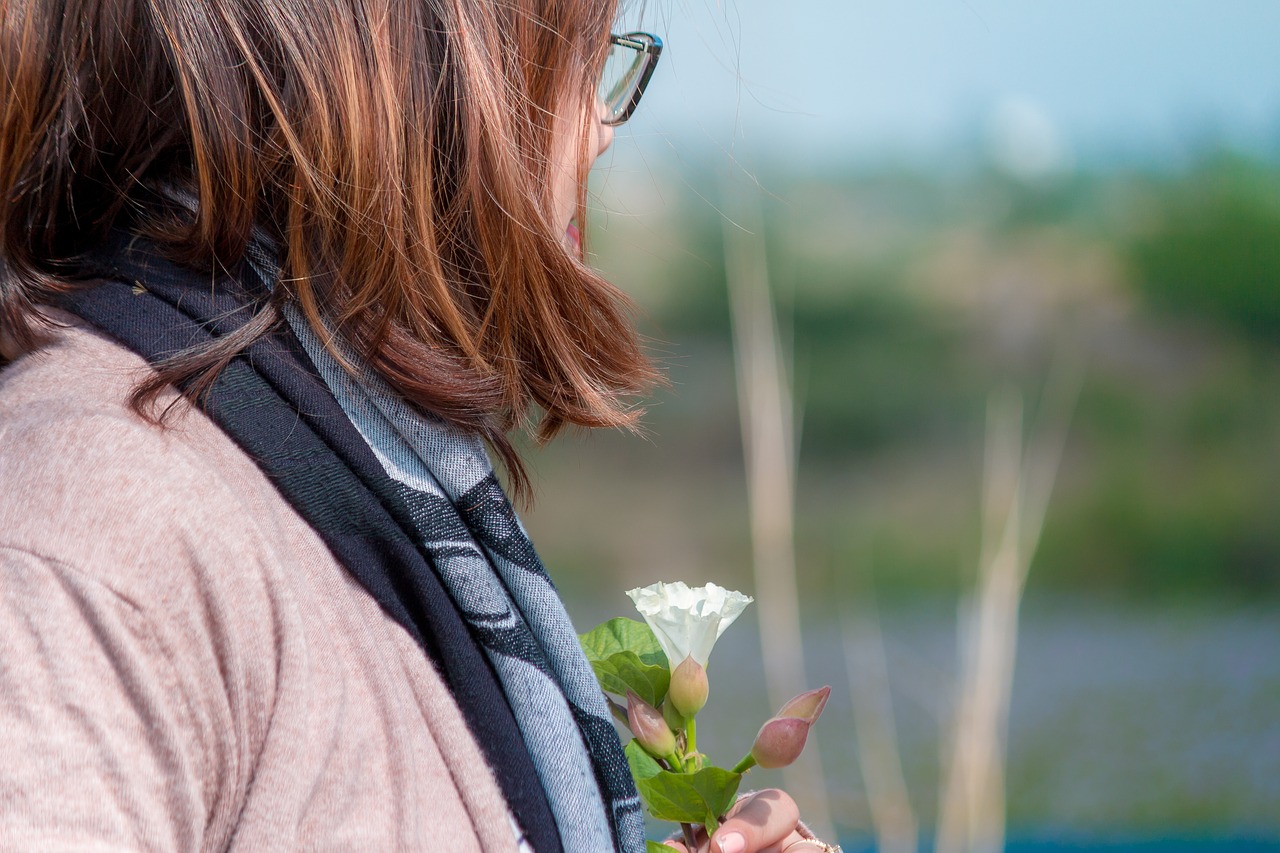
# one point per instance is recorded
(733, 842)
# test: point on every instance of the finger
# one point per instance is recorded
(756, 823)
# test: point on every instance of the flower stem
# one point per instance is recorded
(691, 732)
(745, 764)
(690, 841)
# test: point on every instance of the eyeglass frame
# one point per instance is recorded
(650, 47)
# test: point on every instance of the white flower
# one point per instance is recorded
(688, 621)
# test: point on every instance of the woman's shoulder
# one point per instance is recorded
(158, 569)
(170, 525)
(108, 580)
(87, 481)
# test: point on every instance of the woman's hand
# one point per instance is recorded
(764, 822)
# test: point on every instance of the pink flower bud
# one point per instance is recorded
(782, 738)
(688, 691)
(807, 706)
(780, 742)
(649, 728)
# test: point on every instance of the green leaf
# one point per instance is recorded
(624, 635)
(655, 847)
(682, 797)
(643, 765)
(625, 671)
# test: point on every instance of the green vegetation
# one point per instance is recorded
(907, 300)
(1211, 249)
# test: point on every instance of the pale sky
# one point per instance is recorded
(1052, 82)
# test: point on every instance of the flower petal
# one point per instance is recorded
(688, 621)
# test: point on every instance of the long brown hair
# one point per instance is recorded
(398, 150)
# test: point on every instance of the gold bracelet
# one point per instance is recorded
(827, 848)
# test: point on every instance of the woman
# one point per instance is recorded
(272, 274)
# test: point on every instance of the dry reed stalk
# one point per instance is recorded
(1017, 485)
(895, 822)
(971, 808)
(767, 419)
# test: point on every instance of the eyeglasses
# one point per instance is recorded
(632, 58)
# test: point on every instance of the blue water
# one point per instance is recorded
(1113, 845)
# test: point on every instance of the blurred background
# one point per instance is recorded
(1022, 268)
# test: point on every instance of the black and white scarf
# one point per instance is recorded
(412, 508)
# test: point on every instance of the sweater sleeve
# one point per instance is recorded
(96, 745)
